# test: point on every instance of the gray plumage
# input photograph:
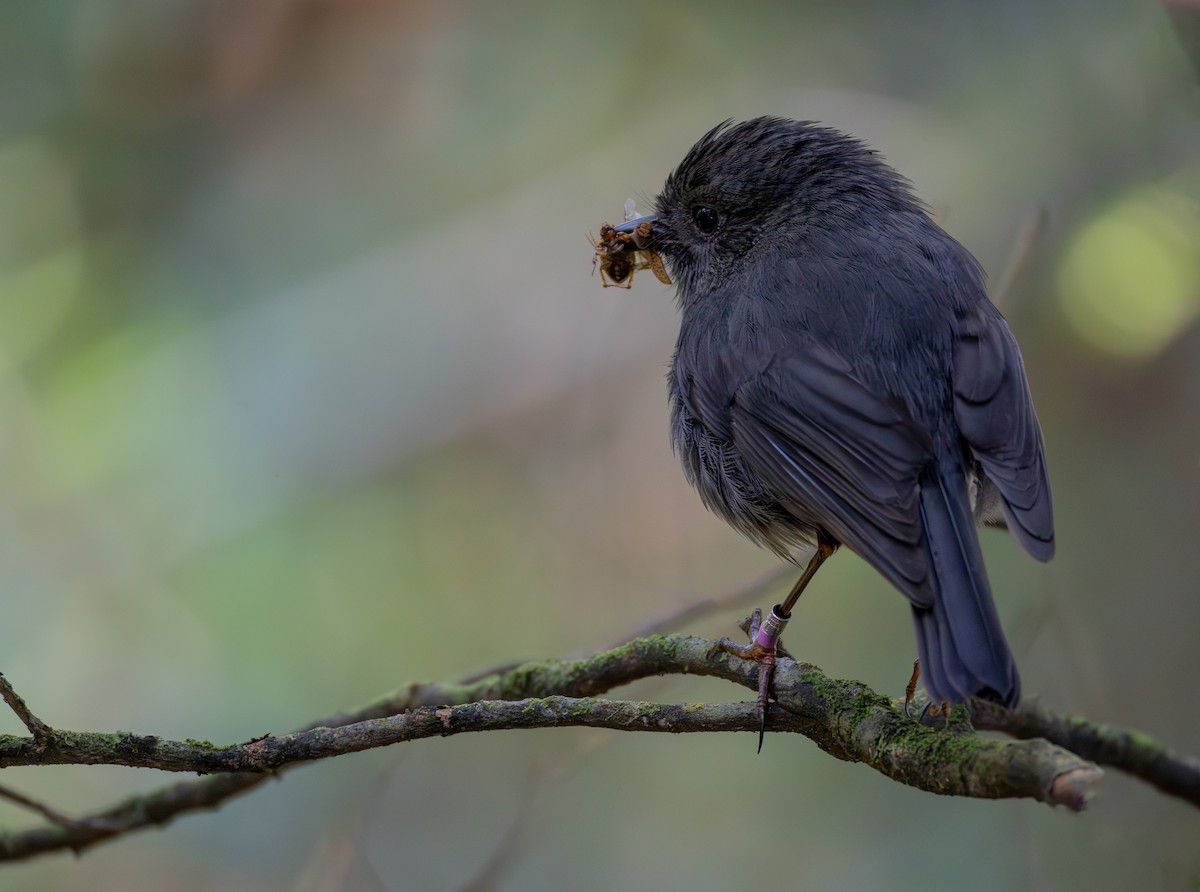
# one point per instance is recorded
(841, 372)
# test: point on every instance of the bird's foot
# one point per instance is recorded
(935, 715)
(762, 649)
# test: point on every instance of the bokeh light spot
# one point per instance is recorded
(1130, 282)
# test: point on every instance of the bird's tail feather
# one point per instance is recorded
(961, 644)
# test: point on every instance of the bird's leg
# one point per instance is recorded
(764, 641)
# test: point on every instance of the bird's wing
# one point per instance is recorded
(995, 415)
(833, 450)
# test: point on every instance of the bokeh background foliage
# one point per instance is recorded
(305, 393)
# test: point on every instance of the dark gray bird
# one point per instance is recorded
(842, 378)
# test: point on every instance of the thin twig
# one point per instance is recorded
(41, 808)
(1032, 230)
(731, 600)
(506, 851)
(679, 618)
(36, 726)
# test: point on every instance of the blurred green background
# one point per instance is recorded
(301, 365)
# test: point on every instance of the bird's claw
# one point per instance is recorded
(762, 649)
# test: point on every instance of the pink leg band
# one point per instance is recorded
(770, 630)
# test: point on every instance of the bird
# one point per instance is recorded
(841, 378)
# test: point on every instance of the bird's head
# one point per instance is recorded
(762, 185)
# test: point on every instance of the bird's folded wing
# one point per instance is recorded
(833, 450)
(995, 415)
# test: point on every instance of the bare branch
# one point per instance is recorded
(1130, 751)
(844, 718)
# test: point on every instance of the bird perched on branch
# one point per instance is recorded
(841, 378)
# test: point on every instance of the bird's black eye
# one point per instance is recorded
(705, 218)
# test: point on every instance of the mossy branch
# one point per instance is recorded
(845, 718)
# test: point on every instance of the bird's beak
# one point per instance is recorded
(642, 230)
